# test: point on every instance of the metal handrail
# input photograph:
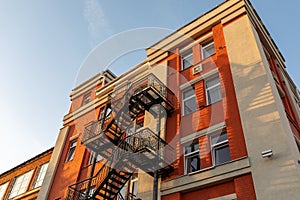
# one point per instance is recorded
(149, 81)
(77, 191)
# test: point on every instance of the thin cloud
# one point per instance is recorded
(97, 22)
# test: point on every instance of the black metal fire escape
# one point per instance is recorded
(124, 153)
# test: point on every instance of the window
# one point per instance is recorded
(188, 101)
(3, 189)
(187, 59)
(40, 175)
(134, 128)
(92, 157)
(90, 194)
(102, 113)
(192, 157)
(20, 184)
(220, 148)
(71, 151)
(133, 185)
(86, 98)
(213, 90)
(122, 193)
(208, 49)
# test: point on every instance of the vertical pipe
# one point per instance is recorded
(155, 186)
(155, 181)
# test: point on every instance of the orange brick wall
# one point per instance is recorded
(242, 186)
(227, 110)
(75, 170)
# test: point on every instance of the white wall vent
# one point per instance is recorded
(197, 69)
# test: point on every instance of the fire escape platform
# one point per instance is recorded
(125, 152)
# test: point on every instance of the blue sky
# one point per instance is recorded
(44, 43)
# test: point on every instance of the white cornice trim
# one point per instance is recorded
(199, 26)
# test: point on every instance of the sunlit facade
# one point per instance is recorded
(211, 114)
(24, 181)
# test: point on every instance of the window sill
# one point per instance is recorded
(207, 176)
(214, 166)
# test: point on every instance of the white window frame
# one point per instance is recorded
(211, 88)
(86, 98)
(189, 155)
(188, 98)
(40, 175)
(218, 145)
(187, 54)
(204, 46)
(71, 152)
(20, 184)
(133, 185)
(92, 156)
(3, 188)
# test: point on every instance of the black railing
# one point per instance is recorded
(143, 149)
(149, 81)
(78, 191)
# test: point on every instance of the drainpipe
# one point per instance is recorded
(155, 181)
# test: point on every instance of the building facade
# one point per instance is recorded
(24, 181)
(211, 114)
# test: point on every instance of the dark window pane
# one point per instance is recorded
(193, 163)
(219, 138)
(187, 59)
(191, 148)
(208, 49)
(214, 95)
(222, 155)
(189, 106)
(188, 93)
(212, 82)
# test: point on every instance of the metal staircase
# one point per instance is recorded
(124, 153)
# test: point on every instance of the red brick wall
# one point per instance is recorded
(210, 192)
(242, 186)
(206, 115)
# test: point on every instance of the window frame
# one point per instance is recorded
(205, 45)
(71, 152)
(21, 187)
(86, 98)
(219, 145)
(92, 156)
(3, 189)
(190, 155)
(133, 185)
(39, 178)
(188, 98)
(187, 54)
(211, 88)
